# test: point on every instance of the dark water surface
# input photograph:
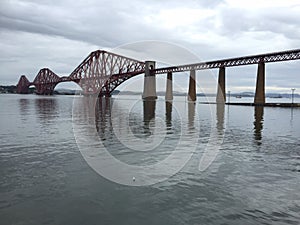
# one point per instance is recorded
(254, 179)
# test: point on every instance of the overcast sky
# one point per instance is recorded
(60, 34)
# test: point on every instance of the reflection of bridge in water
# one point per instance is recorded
(216, 123)
(102, 72)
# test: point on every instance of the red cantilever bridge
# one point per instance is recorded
(101, 72)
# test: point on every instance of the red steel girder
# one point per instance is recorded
(101, 72)
(239, 61)
(98, 68)
(114, 81)
(23, 85)
(45, 82)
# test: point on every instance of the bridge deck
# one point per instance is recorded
(239, 61)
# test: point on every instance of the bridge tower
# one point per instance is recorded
(23, 85)
(192, 86)
(45, 82)
(260, 85)
(149, 81)
(169, 88)
(221, 93)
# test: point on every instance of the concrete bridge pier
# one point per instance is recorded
(168, 115)
(191, 115)
(169, 88)
(221, 92)
(149, 114)
(258, 123)
(260, 85)
(192, 86)
(149, 92)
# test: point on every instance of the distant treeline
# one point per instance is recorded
(8, 89)
(12, 89)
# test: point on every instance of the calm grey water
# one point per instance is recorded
(254, 179)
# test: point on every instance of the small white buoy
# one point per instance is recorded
(133, 178)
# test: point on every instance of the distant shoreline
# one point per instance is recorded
(11, 89)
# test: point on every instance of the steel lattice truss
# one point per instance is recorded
(45, 81)
(103, 71)
(114, 81)
(247, 60)
(23, 85)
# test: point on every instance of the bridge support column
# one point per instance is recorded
(192, 86)
(149, 82)
(221, 93)
(169, 88)
(260, 85)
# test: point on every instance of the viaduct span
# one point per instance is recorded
(101, 72)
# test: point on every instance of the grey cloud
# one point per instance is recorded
(75, 23)
(106, 23)
(283, 21)
(60, 34)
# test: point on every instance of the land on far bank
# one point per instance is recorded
(12, 89)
